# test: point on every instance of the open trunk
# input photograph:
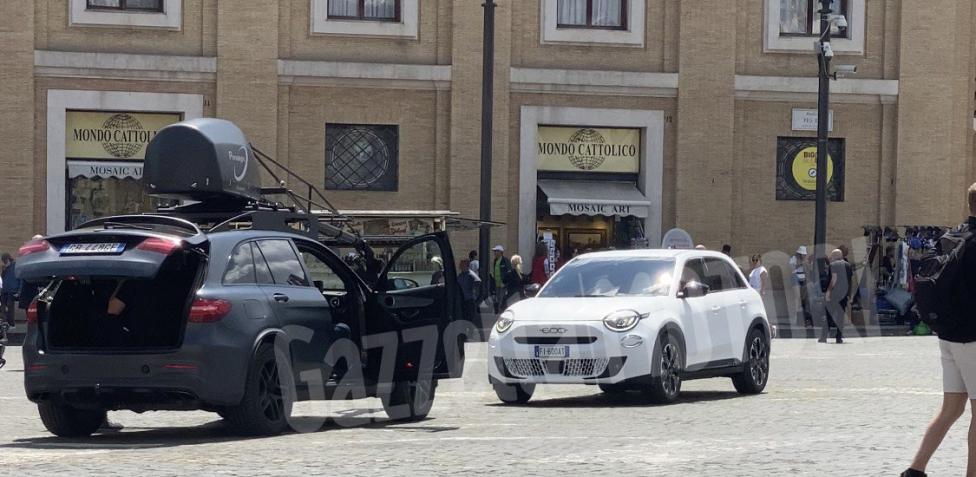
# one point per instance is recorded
(85, 312)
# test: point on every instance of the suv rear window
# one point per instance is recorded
(240, 269)
(285, 267)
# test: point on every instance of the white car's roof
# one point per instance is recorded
(655, 253)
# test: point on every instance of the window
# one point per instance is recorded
(609, 14)
(369, 10)
(789, 24)
(129, 5)
(720, 275)
(608, 277)
(802, 17)
(615, 23)
(694, 271)
(323, 275)
(420, 265)
(285, 267)
(261, 269)
(240, 269)
(361, 157)
(398, 19)
(129, 14)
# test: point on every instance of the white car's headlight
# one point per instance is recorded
(505, 321)
(623, 320)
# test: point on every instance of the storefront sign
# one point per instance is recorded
(796, 169)
(112, 135)
(806, 120)
(104, 169)
(574, 149)
(609, 210)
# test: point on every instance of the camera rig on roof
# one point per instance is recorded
(211, 167)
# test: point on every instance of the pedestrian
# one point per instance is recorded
(470, 284)
(516, 281)
(540, 264)
(501, 271)
(727, 250)
(436, 278)
(473, 258)
(958, 359)
(28, 290)
(837, 295)
(9, 290)
(759, 276)
(799, 263)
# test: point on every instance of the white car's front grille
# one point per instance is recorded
(581, 367)
(524, 368)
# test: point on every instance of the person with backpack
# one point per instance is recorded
(945, 293)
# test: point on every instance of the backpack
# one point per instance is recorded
(938, 283)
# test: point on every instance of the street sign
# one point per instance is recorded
(677, 238)
(806, 120)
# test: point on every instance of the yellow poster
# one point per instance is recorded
(585, 149)
(805, 168)
(112, 135)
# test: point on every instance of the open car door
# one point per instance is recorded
(417, 298)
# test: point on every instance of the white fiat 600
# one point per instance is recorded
(641, 320)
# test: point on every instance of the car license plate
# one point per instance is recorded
(92, 248)
(549, 352)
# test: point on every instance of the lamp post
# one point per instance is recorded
(487, 107)
(824, 55)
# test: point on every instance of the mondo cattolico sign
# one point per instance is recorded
(589, 149)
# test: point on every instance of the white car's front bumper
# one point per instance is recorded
(595, 354)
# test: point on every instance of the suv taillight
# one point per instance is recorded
(34, 246)
(158, 245)
(208, 310)
(32, 312)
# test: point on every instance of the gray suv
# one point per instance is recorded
(155, 312)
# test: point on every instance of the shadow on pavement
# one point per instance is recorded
(213, 432)
(629, 399)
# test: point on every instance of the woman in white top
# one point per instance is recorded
(759, 276)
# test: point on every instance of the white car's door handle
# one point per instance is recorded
(742, 304)
(716, 309)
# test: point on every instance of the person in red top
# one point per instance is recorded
(540, 264)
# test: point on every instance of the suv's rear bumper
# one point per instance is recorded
(189, 378)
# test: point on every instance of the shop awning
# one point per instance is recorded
(595, 198)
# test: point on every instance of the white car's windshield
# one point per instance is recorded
(611, 276)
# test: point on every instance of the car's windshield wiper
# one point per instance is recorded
(121, 225)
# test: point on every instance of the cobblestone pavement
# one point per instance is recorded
(856, 409)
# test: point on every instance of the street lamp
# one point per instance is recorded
(829, 24)
(487, 107)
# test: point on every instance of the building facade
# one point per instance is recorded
(614, 120)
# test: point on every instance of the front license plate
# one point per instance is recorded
(549, 352)
(92, 248)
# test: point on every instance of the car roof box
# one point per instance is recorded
(202, 159)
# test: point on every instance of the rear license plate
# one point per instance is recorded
(549, 352)
(92, 248)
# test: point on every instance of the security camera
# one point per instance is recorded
(844, 71)
(840, 21)
(828, 52)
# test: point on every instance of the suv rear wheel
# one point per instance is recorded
(66, 421)
(264, 409)
(410, 400)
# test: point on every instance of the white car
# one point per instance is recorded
(634, 320)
